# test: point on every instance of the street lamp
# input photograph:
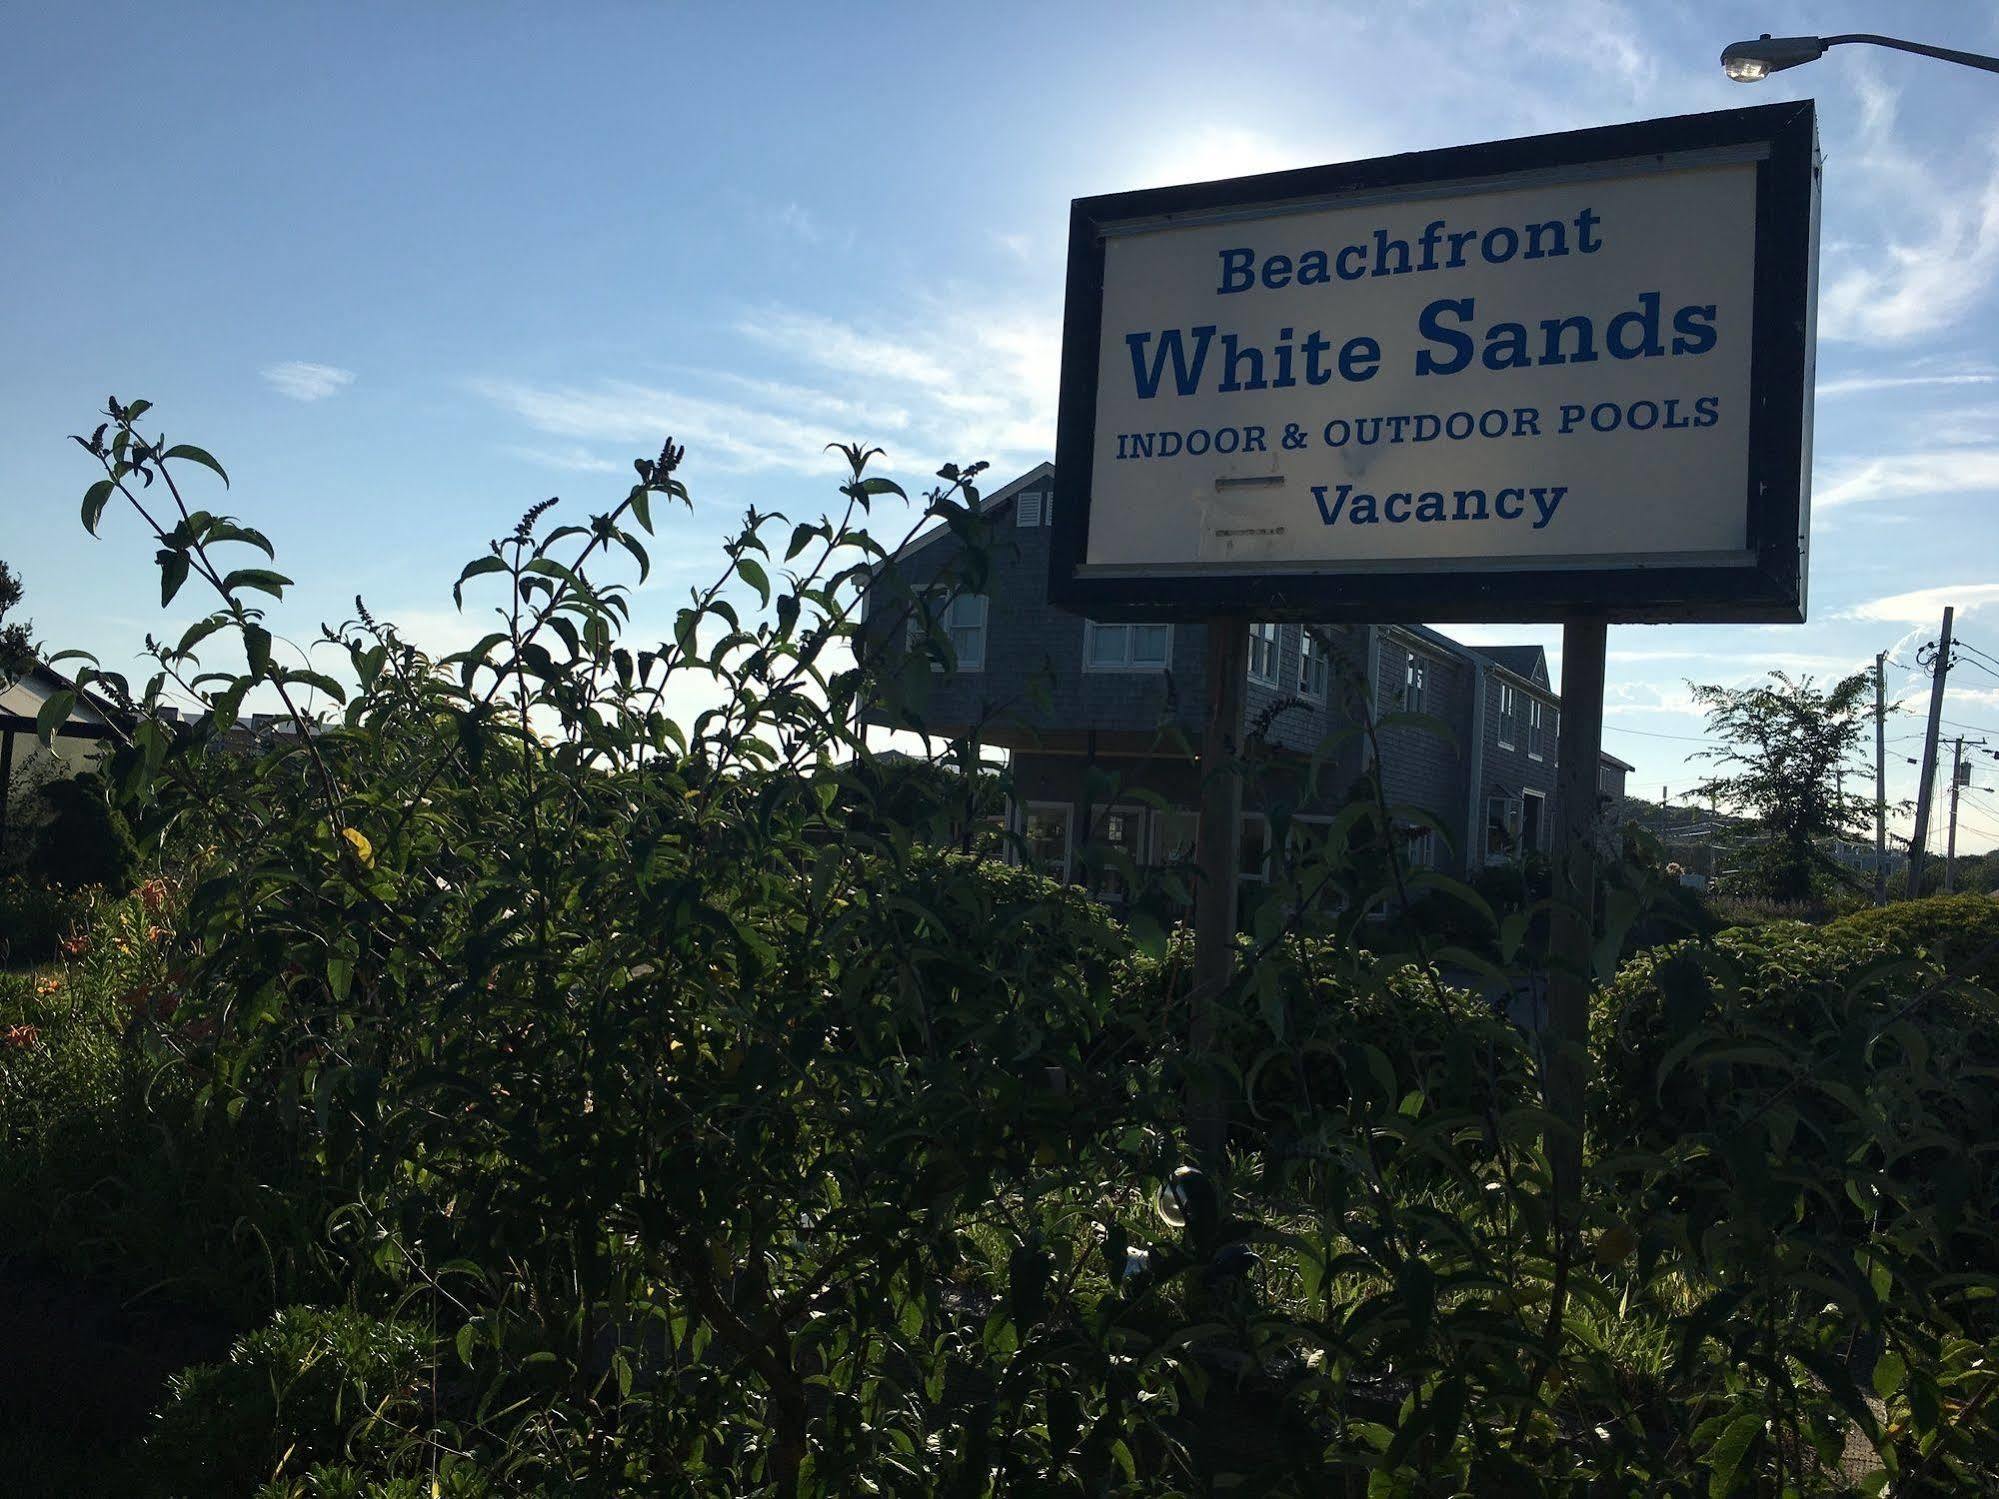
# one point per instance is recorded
(1752, 62)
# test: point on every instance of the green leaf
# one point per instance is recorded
(54, 713)
(1730, 1448)
(227, 530)
(193, 454)
(95, 499)
(339, 977)
(316, 679)
(753, 572)
(259, 578)
(257, 649)
(1889, 1372)
(199, 631)
(173, 573)
(473, 569)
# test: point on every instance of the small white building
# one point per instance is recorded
(24, 763)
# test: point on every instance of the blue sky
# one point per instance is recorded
(407, 269)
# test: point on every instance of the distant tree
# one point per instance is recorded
(1785, 743)
(16, 649)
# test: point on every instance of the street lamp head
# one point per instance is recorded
(1752, 62)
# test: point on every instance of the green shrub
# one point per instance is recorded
(1959, 932)
(84, 841)
(1315, 1016)
(735, 1144)
(35, 917)
(309, 1386)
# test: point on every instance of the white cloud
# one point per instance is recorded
(1904, 476)
(1925, 606)
(1939, 242)
(307, 382)
(731, 437)
(1858, 384)
(955, 379)
(576, 460)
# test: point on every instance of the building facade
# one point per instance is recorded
(1101, 721)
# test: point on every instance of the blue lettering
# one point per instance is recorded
(1186, 378)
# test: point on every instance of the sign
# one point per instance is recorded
(1527, 380)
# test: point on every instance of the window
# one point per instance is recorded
(1173, 836)
(1509, 717)
(1254, 858)
(1420, 849)
(1315, 667)
(1126, 647)
(963, 620)
(1534, 739)
(1533, 820)
(1120, 830)
(1027, 509)
(1045, 834)
(1415, 675)
(1263, 654)
(1502, 828)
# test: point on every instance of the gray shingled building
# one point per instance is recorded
(1091, 713)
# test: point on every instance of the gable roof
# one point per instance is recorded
(987, 505)
(1521, 660)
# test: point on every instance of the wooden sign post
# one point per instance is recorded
(1572, 926)
(1217, 868)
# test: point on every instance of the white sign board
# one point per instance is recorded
(1564, 368)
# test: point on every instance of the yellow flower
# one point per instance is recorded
(363, 849)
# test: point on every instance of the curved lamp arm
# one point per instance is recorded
(1752, 62)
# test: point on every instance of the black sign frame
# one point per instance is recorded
(1782, 359)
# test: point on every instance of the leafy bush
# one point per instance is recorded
(35, 917)
(732, 1142)
(304, 1388)
(84, 841)
(1959, 932)
(1314, 1013)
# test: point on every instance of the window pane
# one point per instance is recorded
(1255, 837)
(1148, 644)
(1047, 837)
(1173, 836)
(1107, 644)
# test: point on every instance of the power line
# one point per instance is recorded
(1653, 734)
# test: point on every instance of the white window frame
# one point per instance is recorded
(1311, 649)
(1540, 822)
(1091, 629)
(1509, 715)
(1271, 637)
(1068, 811)
(1262, 874)
(1509, 820)
(1029, 509)
(923, 614)
(1415, 682)
(1138, 853)
(1420, 848)
(1534, 740)
(1163, 824)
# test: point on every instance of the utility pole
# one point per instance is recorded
(1880, 779)
(1950, 844)
(1940, 669)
